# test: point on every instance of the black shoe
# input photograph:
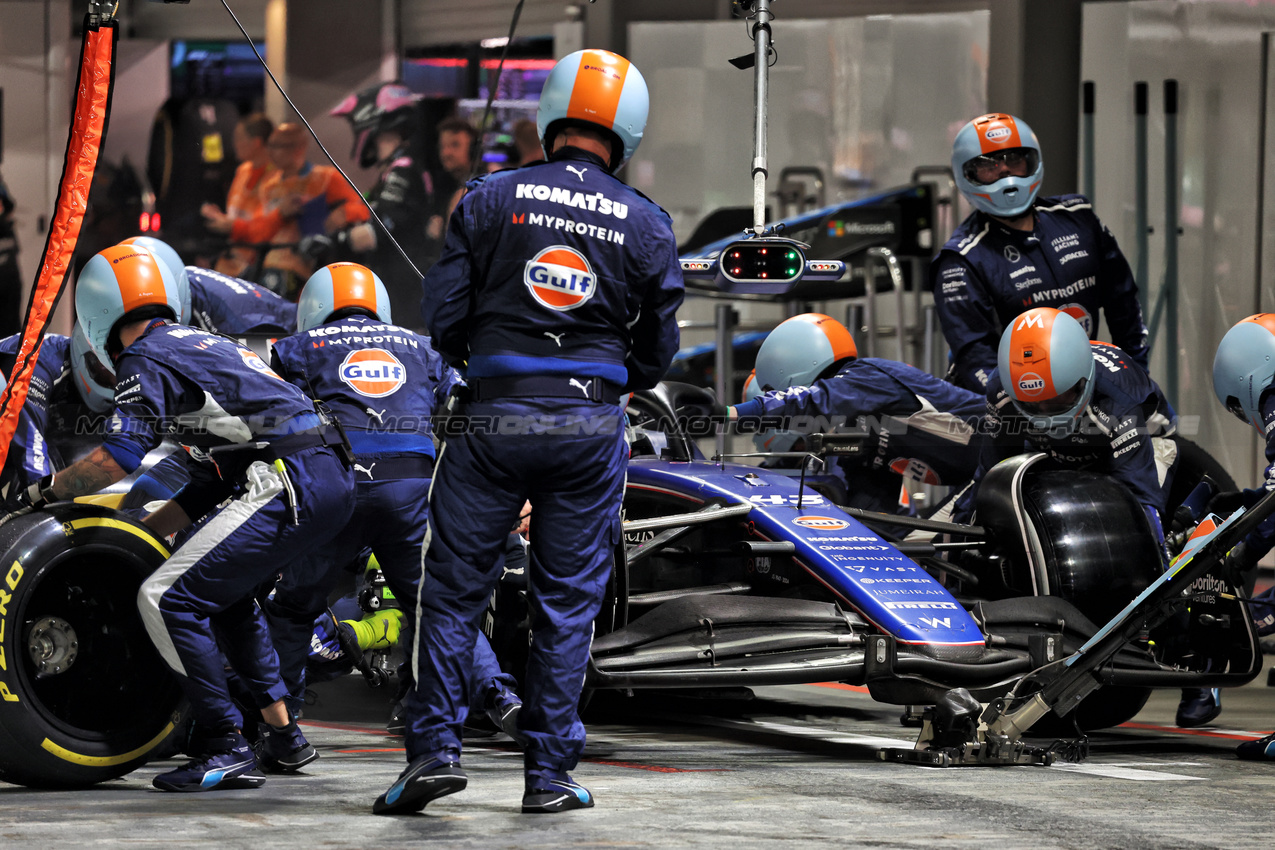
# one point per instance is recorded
(283, 750)
(426, 778)
(554, 795)
(228, 764)
(503, 712)
(1198, 707)
(1263, 749)
(398, 720)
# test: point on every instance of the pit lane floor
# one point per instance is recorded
(791, 767)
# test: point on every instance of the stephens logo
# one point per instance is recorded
(256, 364)
(821, 523)
(1031, 384)
(560, 278)
(372, 372)
(997, 133)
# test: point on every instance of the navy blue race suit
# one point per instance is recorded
(988, 273)
(914, 425)
(30, 455)
(1120, 433)
(382, 382)
(559, 287)
(227, 305)
(258, 439)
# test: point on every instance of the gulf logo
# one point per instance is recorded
(821, 523)
(256, 364)
(372, 372)
(916, 470)
(1031, 384)
(560, 278)
(997, 133)
(1080, 314)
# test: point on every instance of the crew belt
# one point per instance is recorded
(393, 468)
(543, 386)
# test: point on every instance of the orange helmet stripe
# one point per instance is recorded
(599, 82)
(838, 337)
(1030, 374)
(352, 286)
(997, 122)
(1266, 320)
(138, 276)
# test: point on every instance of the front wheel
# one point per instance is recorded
(84, 695)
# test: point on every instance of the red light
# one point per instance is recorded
(144, 222)
(735, 254)
(763, 274)
(763, 250)
(735, 271)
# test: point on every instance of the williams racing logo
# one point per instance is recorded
(560, 278)
(373, 372)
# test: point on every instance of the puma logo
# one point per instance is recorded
(366, 470)
(371, 412)
(584, 388)
(556, 337)
(578, 172)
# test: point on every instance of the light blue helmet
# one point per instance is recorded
(123, 281)
(341, 286)
(1047, 367)
(93, 380)
(174, 262)
(1244, 367)
(595, 87)
(796, 352)
(987, 140)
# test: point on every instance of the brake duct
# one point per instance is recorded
(959, 730)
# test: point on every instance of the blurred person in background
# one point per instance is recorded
(251, 137)
(10, 277)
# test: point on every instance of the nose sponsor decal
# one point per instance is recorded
(821, 523)
(560, 278)
(372, 372)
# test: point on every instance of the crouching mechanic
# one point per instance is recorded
(260, 441)
(555, 322)
(381, 383)
(808, 368)
(1244, 381)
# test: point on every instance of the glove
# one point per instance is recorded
(1240, 563)
(316, 249)
(31, 498)
(1227, 502)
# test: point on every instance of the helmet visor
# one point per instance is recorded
(1056, 406)
(97, 371)
(1233, 405)
(988, 168)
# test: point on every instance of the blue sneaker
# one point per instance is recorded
(283, 750)
(1263, 749)
(228, 763)
(503, 707)
(1198, 707)
(426, 778)
(549, 792)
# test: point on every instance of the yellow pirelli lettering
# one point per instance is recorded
(106, 522)
(105, 761)
(6, 694)
(14, 575)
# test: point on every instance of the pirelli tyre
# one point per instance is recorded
(84, 696)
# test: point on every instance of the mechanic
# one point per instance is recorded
(299, 200)
(1244, 381)
(382, 384)
(913, 424)
(386, 121)
(31, 457)
(1016, 251)
(457, 147)
(556, 316)
(1088, 405)
(260, 441)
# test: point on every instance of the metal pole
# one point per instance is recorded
(724, 361)
(761, 77)
(1170, 287)
(1141, 226)
(1262, 130)
(1087, 136)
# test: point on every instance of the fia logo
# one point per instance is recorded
(560, 278)
(372, 372)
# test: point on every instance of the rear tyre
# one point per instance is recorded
(84, 695)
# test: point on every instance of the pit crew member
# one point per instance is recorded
(810, 371)
(1016, 251)
(382, 383)
(261, 442)
(558, 287)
